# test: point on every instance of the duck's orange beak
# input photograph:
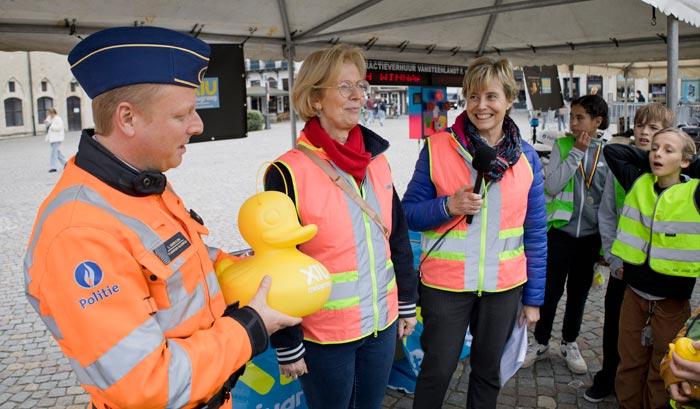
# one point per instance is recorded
(295, 235)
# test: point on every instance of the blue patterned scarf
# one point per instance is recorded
(508, 149)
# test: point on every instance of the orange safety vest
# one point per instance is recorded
(488, 254)
(127, 288)
(364, 296)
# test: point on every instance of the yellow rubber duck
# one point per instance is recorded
(300, 284)
(684, 348)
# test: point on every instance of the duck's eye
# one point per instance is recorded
(271, 217)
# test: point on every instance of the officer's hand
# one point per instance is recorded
(685, 369)
(273, 319)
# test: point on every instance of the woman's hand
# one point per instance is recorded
(529, 315)
(465, 201)
(406, 326)
(294, 370)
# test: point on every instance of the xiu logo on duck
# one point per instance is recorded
(89, 275)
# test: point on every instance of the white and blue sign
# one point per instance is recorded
(208, 93)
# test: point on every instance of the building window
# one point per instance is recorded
(285, 84)
(44, 86)
(73, 86)
(43, 104)
(255, 83)
(13, 112)
(11, 86)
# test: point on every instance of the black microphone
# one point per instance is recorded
(481, 161)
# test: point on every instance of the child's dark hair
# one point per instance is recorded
(594, 106)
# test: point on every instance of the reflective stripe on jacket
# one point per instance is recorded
(349, 244)
(560, 207)
(486, 255)
(665, 228)
(125, 284)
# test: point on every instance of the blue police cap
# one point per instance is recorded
(122, 56)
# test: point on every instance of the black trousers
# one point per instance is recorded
(614, 295)
(446, 316)
(569, 263)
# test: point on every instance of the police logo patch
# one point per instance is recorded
(88, 274)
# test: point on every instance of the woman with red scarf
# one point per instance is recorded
(484, 250)
(343, 353)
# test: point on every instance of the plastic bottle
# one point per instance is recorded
(684, 348)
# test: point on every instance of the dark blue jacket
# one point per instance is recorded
(424, 210)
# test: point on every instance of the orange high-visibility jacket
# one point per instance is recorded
(488, 254)
(364, 297)
(127, 288)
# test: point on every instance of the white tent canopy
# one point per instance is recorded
(529, 32)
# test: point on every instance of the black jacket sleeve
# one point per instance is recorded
(627, 163)
(402, 257)
(291, 337)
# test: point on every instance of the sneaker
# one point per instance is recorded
(573, 358)
(596, 393)
(535, 352)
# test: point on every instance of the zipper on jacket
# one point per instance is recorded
(482, 239)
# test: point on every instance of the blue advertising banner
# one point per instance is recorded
(208, 93)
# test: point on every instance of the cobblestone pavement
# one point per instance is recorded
(215, 179)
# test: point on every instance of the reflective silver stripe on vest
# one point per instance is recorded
(632, 241)
(371, 259)
(634, 214)
(674, 254)
(180, 369)
(213, 284)
(212, 251)
(114, 364)
(48, 320)
(661, 227)
(489, 247)
(559, 213)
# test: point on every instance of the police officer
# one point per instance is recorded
(116, 266)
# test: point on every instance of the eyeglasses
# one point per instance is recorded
(347, 88)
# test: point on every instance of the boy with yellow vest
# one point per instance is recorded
(657, 238)
(648, 120)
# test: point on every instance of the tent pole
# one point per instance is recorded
(626, 99)
(292, 113)
(672, 64)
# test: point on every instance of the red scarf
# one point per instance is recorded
(351, 157)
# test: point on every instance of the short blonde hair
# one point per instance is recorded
(484, 69)
(52, 111)
(654, 112)
(318, 69)
(689, 149)
(104, 105)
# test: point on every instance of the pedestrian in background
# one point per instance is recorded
(647, 121)
(116, 266)
(574, 186)
(344, 352)
(382, 111)
(55, 134)
(477, 273)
